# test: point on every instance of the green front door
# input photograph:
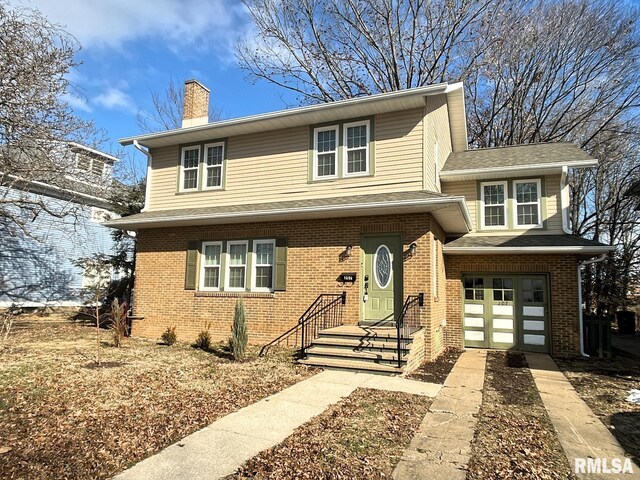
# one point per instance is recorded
(382, 278)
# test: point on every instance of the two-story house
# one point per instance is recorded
(376, 196)
(63, 214)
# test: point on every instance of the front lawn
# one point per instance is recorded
(363, 436)
(61, 417)
(604, 385)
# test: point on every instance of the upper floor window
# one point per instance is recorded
(356, 148)
(189, 163)
(527, 198)
(325, 164)
(342, 150)
(214, 153)
(494, 196)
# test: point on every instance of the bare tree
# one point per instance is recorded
(327, 50)
(36, 124)
(167, 109)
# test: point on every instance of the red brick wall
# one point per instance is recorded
(562, 271)
(313, 265)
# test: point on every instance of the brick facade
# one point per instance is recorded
(563, 286)
(314, 262)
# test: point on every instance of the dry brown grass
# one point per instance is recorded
(64, 418)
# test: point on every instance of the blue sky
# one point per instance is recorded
(132, 47)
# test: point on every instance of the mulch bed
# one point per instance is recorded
(61, 417)
(604, 385)
(514, 438)
(438, 370)
(363, 436)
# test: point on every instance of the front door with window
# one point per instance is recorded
(382, 278)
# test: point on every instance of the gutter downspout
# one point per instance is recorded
(598, 259)
(147, 189)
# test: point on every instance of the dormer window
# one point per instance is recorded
(513, 204)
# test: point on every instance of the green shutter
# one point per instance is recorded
(191, 269)
(280, 282)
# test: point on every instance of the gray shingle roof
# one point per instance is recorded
(257, 208)
(531, 154)
(521, 241)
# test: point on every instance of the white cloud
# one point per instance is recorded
(76, 103)
(115, 99)
(206, 25)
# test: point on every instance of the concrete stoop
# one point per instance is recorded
(358, 348)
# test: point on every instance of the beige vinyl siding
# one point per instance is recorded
(274, 166)
(469, 189)
(436, 129)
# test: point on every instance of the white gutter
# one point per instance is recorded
(147, 190)
(506, 250)
(580, 317)
(444, 175)
(302, 210)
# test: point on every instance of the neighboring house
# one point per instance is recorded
(376, 196)
(37, 267)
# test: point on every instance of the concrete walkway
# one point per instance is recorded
(582, 435)
(442, 447)
(219, 449)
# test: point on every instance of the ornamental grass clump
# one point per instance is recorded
(239, 334)
(119, 320)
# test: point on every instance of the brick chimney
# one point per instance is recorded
(196, 104)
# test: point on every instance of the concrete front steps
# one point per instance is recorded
(357, 348)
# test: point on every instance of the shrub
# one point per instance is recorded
(203, 341)
(119, 320)
(169, 336)
(239, 335)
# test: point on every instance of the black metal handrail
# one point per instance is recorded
(408, 323)
(321, 314)
(325, 312)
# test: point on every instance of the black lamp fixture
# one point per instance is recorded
(413, 248)
(348, 250)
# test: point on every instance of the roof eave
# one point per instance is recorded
(264, 117)
(591, 250)
(495, 172)
(331, 211)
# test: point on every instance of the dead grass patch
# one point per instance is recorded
(363, 436)
(64, 420)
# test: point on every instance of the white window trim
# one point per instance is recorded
(227, 269)
(202, 267)
(515, 204)
(345, 150)
(254, 265)
(504, 205)
(181, 180)
(206, 167)
(315, 175)
(434, 268)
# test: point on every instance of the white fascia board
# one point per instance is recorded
(480, 173)
(94, 151)
(595, 249)
(261, 214)
(420, 91)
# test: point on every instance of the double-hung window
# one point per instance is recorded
(356, 148)
(263, 256)
(189, 165)
(214, 165)
(325, 160)
(527, 198)
(494, 204)
(211, 265)
(236, 265)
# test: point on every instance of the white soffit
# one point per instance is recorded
(508, 172)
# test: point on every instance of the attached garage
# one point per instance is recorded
(506, 311)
